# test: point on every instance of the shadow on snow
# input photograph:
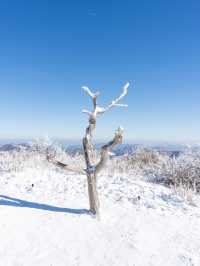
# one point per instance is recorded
(9, 201)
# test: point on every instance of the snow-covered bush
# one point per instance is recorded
(34, 155)
(180, 172)
(145, 157)
(185, 172)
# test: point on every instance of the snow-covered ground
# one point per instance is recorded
(44, 219)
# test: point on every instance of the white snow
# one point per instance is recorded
(48, 224)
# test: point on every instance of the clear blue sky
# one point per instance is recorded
(49, 49)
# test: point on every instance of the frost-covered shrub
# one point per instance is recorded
(144, 157)
(180, 172)
(185, 172)
(15, 161)
(34, 156)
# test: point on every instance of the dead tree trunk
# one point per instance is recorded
(91, 179)
(93, 168)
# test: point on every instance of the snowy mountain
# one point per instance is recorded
(14, 147)
(167, 148)
(132, 148)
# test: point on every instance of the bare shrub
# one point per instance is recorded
(145, 157)
(182, 171)
(185, 172)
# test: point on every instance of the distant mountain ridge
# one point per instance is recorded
(14, 147)
(122, 149)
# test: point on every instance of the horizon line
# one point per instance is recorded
(99, 140)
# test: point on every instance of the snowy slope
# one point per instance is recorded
(44, 220)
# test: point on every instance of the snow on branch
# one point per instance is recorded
(85, 111)
(101, 110)
(90, 93)
(116, 101)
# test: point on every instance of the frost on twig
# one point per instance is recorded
(86, 112)
(90, 93)
(101, 110)
(117, 100)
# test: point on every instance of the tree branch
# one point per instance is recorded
(97, 110)
(90, 93)
(116, 101)
(101, 110)
(106, 149)
(65, 166)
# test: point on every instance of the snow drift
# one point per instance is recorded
(45, 219)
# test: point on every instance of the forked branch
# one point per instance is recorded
(107, 148)
(101, 110)
(64, 166)
(87, 140)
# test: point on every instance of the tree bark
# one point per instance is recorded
(90, 169)
(93, 194)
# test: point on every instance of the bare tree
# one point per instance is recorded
(93, 168)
